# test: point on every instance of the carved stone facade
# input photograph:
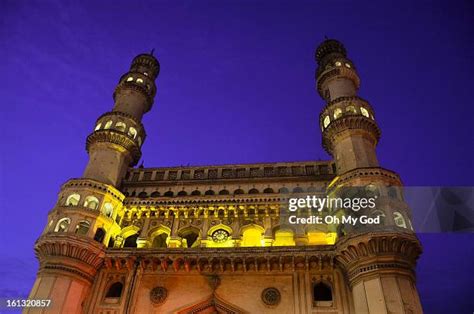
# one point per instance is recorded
(212, 239)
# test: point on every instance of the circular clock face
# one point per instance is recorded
(220, 236)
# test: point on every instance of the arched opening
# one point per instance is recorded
(326, 121)
(120, 126)
(364, 112)
(97, 127)
(351, 110)
(82, 227)
(298, 190)
(130, 78)
(159, 241)
(131, 241)
(108, 210)
(322, 292)
(372, 191)
(73, 200)
(182, 193)
(190, 237)
(115, 290)
(268, 190)
(238, 191)
(155, 194)
(252, 236)
(168, 194)
(62, 225)
(253, 191)
(91, 202)
(283, 191)
(223, 192)
(108, 124)
(209, 192)
(392, 192)
(142, 194)
(132, 132)
(195, 192)
(381, 214)
(399, 220)
(284, 237)
(99, 235)
(337, 113)
(111, 242)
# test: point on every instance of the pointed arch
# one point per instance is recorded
(251, 235)
(190, 236)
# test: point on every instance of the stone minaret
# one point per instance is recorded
(89, 209)
(378, 260)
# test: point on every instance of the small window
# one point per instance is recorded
(399, 220)
(347, 65)
(129, 79)
(145, 73)
(364, 112)
(120, 126)
(223, 192)
(337, 113)
(238, 191)
(62, 225)
(132, 132)
(108, 210)
(338, 63)
(115, 290)
(268, 190)
(168, 194)
(283, 191)
(326, 121)
(99, 235)
(83, 227)
(108, 125)
(73, 200)
(139, 141)
(322, 292)
(253, 191)
(195, 192)
(182, 193)
(139, 80)
(91, 202)
(97, 127)
(351, 110)
(209, 192)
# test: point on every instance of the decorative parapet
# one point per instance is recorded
(276, 259)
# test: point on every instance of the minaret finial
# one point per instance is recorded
(152, 51)
(326, 37)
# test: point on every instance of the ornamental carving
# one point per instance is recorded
(158, 295)
(271, 296)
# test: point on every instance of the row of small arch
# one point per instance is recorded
(138, 80)
(282, 190)
(122, 127)
(90, 202)
(351, 110)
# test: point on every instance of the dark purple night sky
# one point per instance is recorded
(236, 86)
